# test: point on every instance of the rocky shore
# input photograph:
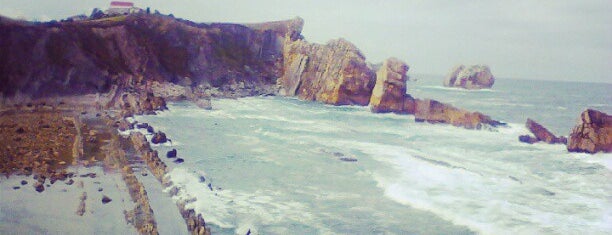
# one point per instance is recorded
(68, 88)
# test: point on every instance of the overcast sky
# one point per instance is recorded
(537, 39)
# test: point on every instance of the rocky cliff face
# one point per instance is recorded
(129, 62)
(335, 73)
(592, 134)
(389, 94)
(58, 59)
(472, 77)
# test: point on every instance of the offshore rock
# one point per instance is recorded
(159, 138)
(335, 73)
(171, 153)
(592, 134)
(389, 93)
(541, 134)
(528, 139)
(432, 111)
(473, 77)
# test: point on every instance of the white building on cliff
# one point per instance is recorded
(121, 8)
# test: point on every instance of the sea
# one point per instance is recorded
(279, 165)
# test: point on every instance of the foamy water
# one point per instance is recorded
(274, 166)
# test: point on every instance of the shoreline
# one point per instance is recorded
(96, 145)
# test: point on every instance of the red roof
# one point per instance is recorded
(121, 4)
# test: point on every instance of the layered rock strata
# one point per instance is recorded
(335, 73)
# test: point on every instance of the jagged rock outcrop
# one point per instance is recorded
(389, 93)
(592, 134)
(335, 73)
(472, 77)
(541, 134)
(432, 111)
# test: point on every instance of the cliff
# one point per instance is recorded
(136, 62)
(136, 51)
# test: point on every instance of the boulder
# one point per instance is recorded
(472, 77)
(159, 138)
(527, 139)
(389, 91)
(142, 125)
(39, 187)
(171, 153)
(432, 111)
(106, 199)
(335, 73)
(541, 134)
(592, 134)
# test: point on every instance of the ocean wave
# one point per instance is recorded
(487, 90)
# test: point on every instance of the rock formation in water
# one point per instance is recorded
(472, 77)
(433, 111)
(389, 94)
(335, 73)
(541, 134)
(136, 62)
(592, 134)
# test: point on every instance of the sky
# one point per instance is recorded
(525, 39)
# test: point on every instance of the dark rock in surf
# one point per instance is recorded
(528, 139)
(106, 199)
(142, 125)
(159, 138)
(179, 160)
(171, 153)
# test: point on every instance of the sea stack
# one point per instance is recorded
(592, 134)
(472, 77)
(389, 94)
(335, 73)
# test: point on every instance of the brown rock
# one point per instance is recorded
(592, 134)
(335, 73)
(389, 91)
(433, 111)
(542, 134)
(473, 77)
